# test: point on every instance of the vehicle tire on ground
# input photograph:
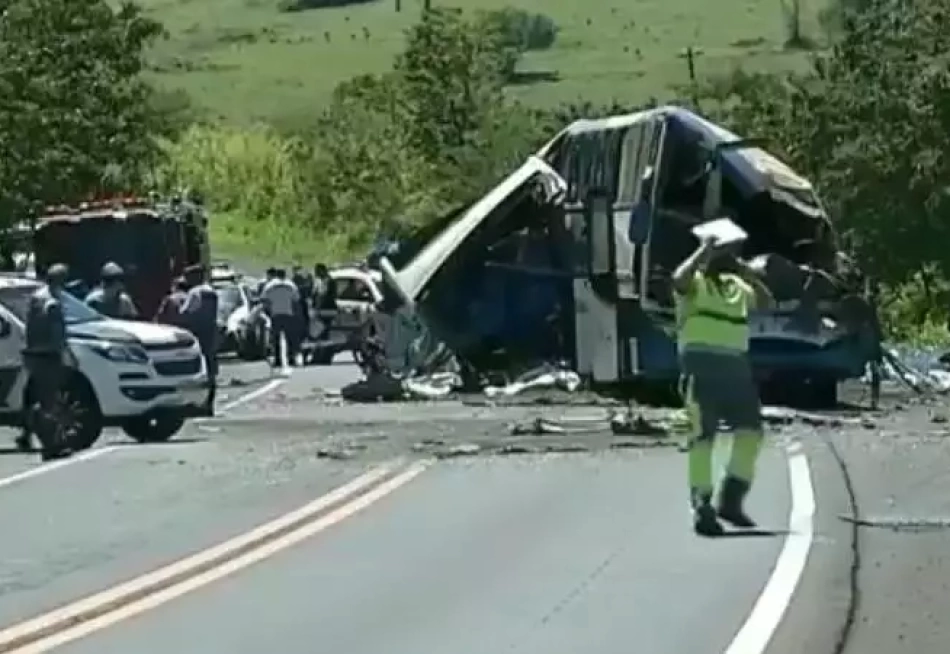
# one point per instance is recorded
(80, 411)
(807, 393)
(252, 349)
(823, 393)
(156, 428)
(322, 356)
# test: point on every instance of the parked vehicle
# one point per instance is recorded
(359, 294)
(144, 377)
(242, 325)
(152, 241)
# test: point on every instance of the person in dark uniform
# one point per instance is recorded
(325, 300)
(7, 260)
(872, 297)
(110, 298)
(199, 315)
(304, 283)
(169, 312)
(44, 357)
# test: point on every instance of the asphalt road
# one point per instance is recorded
(583, 548)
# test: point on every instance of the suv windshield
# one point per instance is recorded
(17, 300)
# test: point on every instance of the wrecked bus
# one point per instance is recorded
(570, 258)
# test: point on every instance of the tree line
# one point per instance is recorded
(868, 121)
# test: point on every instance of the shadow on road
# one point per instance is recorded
(174, 441)
(754, 533)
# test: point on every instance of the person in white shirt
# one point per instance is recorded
(281, 299)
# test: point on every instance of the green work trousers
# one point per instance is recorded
(720, 388)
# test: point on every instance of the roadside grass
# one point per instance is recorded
(260, 244)
(244, 60)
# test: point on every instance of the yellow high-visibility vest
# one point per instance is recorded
(714, 314)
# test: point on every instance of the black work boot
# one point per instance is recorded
(704, 517)
(731, 498)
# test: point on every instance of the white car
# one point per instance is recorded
(144, 377)
(358, 296)
(242, 324)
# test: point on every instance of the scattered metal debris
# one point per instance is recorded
(643, 443)
(338, 454)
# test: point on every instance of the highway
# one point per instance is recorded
(294, 523)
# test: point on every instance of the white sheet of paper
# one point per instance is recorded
(722, 229)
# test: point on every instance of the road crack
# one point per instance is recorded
(854, 572)
(570, 596)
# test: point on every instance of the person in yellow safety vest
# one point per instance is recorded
(714, 292)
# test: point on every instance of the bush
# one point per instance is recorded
(388, 154)
(524, 30)
(253, 172)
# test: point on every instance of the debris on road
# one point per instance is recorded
(545, 377)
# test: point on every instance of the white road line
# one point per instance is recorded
(760, 626)
(253, 395)
(108, 607)
(54, 465)
(100, 451)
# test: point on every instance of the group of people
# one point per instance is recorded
(192, 305)
(290, 302)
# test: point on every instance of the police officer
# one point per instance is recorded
(325, 299)
(199, 315)
(714, 293)
(44, 357)
(169, 312)
(110, 298)
(305, 285)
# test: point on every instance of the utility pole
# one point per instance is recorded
(398, 6)
(690, 54)
(426, 5)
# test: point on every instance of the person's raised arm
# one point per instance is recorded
(686, 271)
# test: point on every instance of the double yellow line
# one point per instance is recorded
(103, 609)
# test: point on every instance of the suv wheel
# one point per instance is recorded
(79, 415)
(153, 428)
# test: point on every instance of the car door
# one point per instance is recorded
(354, 300)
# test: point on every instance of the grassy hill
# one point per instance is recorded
(247, 60)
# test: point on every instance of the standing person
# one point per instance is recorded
(714, 293)
(304, 283)
(110, 298)
(281, 299)
(45, 358)
(273, 354)
(199, 315)
(169, 312)
(325, 302)
(7, 260)
(872, 296)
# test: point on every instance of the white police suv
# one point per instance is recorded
(143, 377)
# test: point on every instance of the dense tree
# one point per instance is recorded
(75, 114)
(869, 123)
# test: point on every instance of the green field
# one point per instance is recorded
(245, 60)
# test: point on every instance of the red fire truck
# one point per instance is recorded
(153, 240)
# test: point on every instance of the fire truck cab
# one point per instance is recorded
(153, 242)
